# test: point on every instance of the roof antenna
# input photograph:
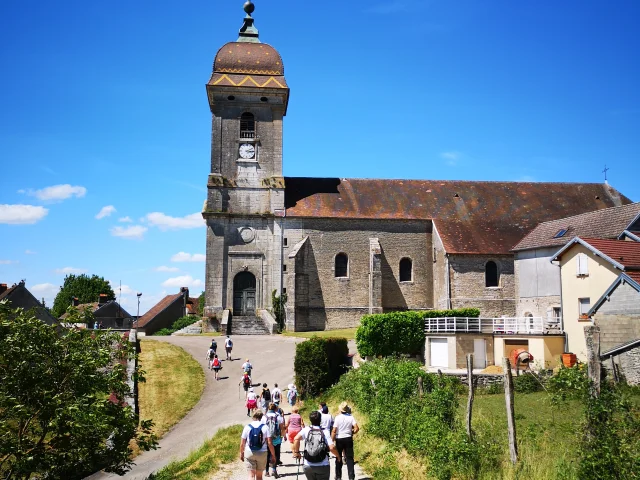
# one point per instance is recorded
(605, 173)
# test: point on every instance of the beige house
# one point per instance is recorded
(588, 267)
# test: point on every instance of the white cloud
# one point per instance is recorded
(187, 257)
(30, 252)
(68, 270)
(165, 222)
(182, 281)
(451, 157)
(134, 232)
(124, 289)
(163, 268)
(105, 211)
(8, 262)
(22, 214)
(125, 220)
(46, 290)
(57, 192)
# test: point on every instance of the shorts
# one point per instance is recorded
(251, 404)
(217, 368)
(291, 435)
(255, 460)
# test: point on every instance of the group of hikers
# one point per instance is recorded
(262, 439)
(212, 355)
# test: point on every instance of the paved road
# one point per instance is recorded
(272, 359)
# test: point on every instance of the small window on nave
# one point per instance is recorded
(247, 125)
(491, 275)
(342, 265)
(406, 270)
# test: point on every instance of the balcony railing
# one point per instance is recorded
(247, 133)
(503, 325)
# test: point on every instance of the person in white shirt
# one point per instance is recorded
(254, 446)
(277, 420)
(344, 427)
(314, 469)
(326, 420)
(276, 394)
(228, 346)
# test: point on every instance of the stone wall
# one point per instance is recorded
(482, 380)
(440, 270)
(468, 284)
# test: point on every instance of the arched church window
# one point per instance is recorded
(491, 275)
(247, 125)
(406, 270)
(342, 265)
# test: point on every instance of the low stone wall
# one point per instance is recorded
(482, 379)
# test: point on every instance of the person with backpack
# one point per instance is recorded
(317, 445)
(254, 445)
(228, 346)
(247, 367)
(217, 366)
(245, 381)
(210, 355)
(292, 395)
(265, 398)
(344, 428)
(276, 394)
(252, 402)
(275, 427)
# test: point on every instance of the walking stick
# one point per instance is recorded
(238, 392)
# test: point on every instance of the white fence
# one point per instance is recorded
(503, 325)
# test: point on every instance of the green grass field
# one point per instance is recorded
(348, 333)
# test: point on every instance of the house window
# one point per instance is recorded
(491, 275)
(342, 265)
(247, 125)
(582, 265)
(561, 233)
(585, 304)
(406, 270)
(284, 267)
(286, 242)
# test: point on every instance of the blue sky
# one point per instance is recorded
(104, 105)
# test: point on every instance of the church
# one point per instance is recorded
(342, 248)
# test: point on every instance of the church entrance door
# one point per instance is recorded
(244, 294)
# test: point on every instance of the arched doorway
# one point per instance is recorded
(244, 294)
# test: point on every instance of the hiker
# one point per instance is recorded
(344, 427)
(214, 346)
(217, 366)
(276, 394)
(247, 367)
(245, 381)
(265, 398)
(294, 424)
(254, 446)
(317, 445)
(292, 394)
(326, 420)
(210, 354)
(252, 402)
(228, 346)
(275, 426)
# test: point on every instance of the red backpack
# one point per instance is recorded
(216, 362)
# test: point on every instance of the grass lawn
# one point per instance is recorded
(206, 460)
(348, 333)
(174, 384)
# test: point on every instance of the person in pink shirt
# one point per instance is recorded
(294, 424)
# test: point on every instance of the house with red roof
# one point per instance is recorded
(166, 311)
(590, 267)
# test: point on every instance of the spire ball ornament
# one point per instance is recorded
(249, 7)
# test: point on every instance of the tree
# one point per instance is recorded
(201, 304)
(62, 400)
(87, 289)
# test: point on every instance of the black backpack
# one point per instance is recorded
(266, 394)
(315, 446)
(246, 380)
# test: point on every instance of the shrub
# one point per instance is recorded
(569, 383)
(527, 383)
(396, 333)
(179, 324)
(164, 331)
(319, 363)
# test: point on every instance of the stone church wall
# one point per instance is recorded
(331, 302)
(440, 285)
(467, 273)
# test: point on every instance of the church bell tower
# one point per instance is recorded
(248, 98)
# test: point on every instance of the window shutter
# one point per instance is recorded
(582, 264)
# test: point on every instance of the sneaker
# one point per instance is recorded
(266, 474)
(275, 474)
(279, 463)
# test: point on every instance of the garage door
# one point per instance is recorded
(439, 352)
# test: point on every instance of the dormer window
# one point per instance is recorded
(561, 233)
(247, 125)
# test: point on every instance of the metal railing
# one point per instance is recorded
(247, 133)
(502, 325)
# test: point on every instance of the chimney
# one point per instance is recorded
(102, 299)
(3, 287)
(185, 291)
(75, 302)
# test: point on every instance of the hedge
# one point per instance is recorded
(396, 333)
(319, 363)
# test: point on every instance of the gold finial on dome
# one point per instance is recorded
(248, 32)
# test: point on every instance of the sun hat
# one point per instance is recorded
(345, 408)
(251, 389)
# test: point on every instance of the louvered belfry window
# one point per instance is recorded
(247, 125)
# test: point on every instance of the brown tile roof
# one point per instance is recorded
(605, 223)
(157, 308)
(471, 217)
(621, 251)
(7, 292)
(93, 306)
(635, 275)
(247, 57)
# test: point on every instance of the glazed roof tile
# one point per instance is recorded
(605, 223)
(472, 217)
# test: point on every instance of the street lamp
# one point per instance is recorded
(138, 316)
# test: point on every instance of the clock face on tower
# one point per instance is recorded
(247, 151)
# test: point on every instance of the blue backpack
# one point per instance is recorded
(256, 438)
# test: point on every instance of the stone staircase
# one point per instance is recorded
(249, 325)
(193, 329)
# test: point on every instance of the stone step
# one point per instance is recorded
(192, 329)
(248, 326)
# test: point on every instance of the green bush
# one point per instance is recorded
(527, 383)
(179, 324)
(164, 332)
(397, 333)
(319, 363)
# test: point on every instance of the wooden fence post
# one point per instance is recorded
(470, 398)
(592, 337)
(420, 387)
(511, 420)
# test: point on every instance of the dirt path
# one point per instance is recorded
(272, 359)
